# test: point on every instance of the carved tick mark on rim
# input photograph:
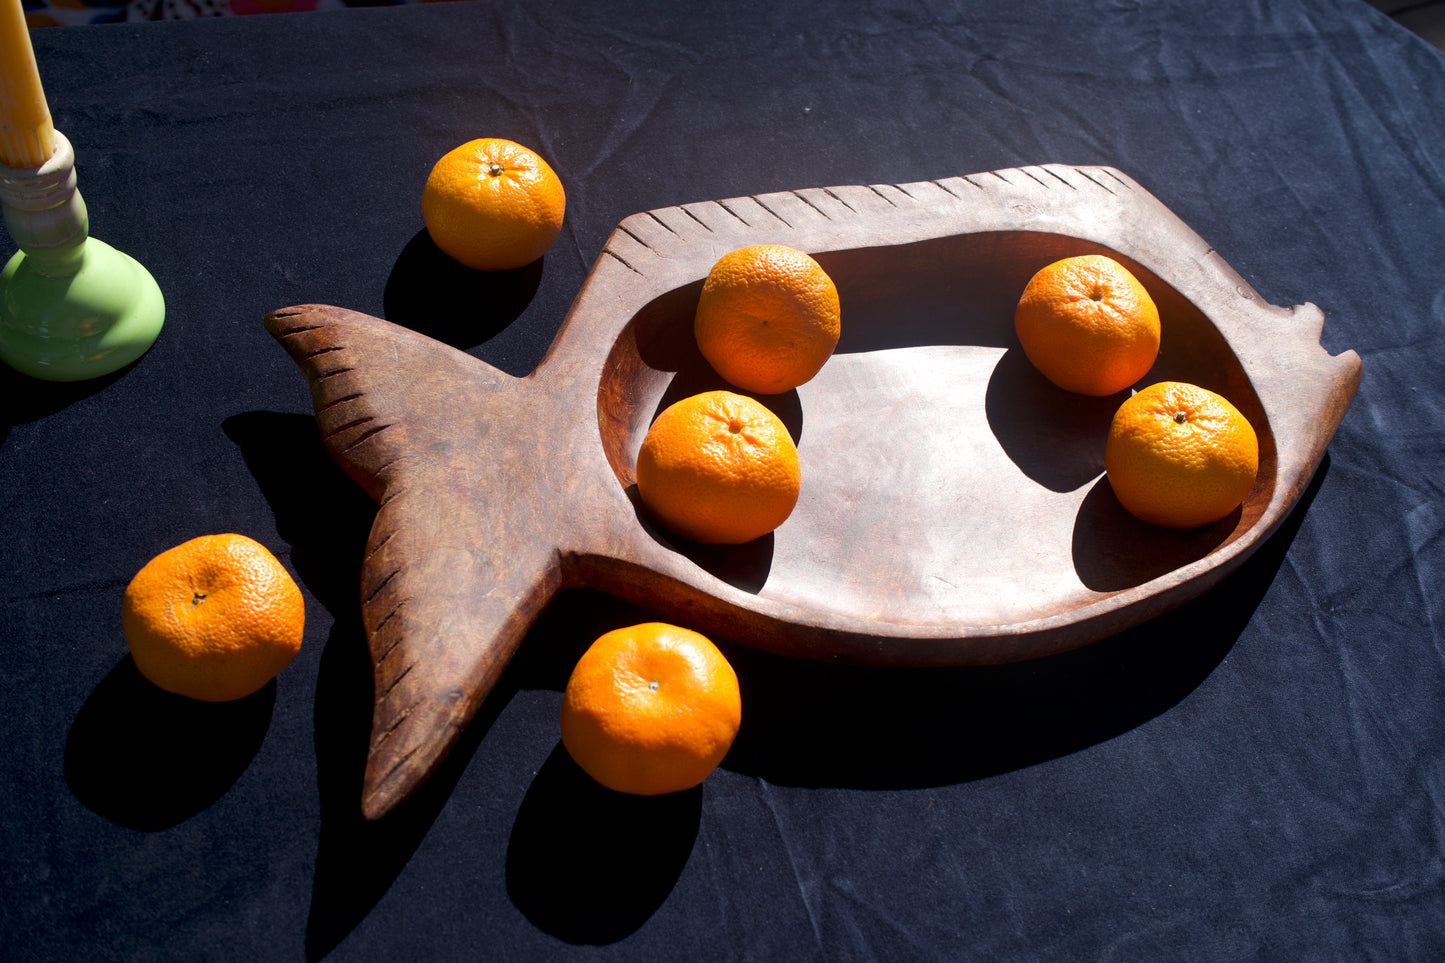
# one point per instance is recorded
(623, 261)
(653, 215)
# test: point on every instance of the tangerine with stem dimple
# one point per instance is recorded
(1180, 455)
(493, 204)
(650, 709)
(1088, 325)
(214, 618)
(720, 468)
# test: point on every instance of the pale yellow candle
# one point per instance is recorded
(27, 138)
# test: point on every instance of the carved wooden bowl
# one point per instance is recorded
(953, 509)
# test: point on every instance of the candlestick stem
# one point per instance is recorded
(71, 306)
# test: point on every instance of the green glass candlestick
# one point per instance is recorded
(71, 307)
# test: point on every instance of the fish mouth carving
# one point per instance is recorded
(953, 510)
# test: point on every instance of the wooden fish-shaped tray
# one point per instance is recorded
(952, 510)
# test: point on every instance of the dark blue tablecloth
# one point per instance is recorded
(1259, 774)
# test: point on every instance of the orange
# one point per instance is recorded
(1180, 455)
(1088, 325)
(214, 619)
(651, 709)
(719, 468)
(768, 318)
(493, 204)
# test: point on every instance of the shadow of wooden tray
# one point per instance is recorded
(952, 512)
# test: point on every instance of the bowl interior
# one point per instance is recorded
(945, 481)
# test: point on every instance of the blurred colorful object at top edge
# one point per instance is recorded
(57, 13)
(1426, 18)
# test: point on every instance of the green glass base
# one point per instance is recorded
(88, 323)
